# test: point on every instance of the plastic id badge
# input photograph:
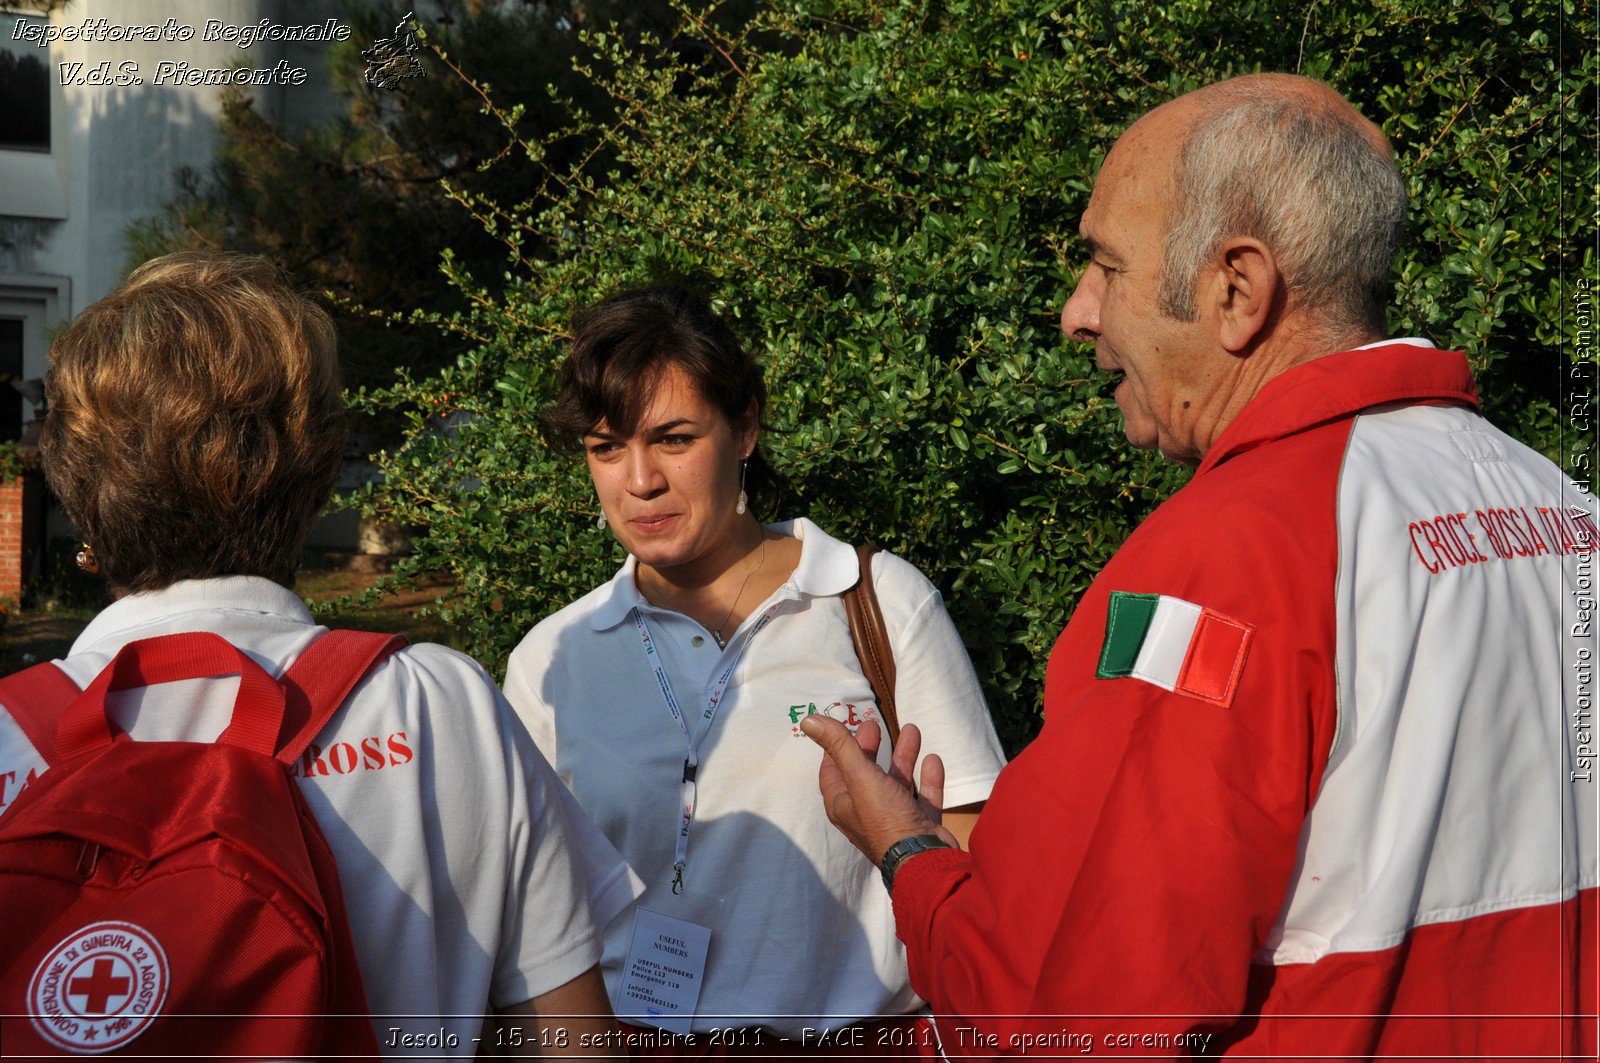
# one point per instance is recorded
(664, 971)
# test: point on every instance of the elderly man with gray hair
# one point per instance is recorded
(1310, 781)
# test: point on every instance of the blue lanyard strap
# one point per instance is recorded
(691, 762)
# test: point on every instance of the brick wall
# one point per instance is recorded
(19, 502)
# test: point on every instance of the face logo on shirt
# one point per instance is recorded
(847, 713)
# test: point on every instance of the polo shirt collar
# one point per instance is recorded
(619, 598)
(239, 594)
(827, 567)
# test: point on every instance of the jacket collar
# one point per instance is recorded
(1337, 386)
(120, 620)
(827, 567)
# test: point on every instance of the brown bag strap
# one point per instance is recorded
(871, 640)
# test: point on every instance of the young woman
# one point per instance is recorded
(669, 699)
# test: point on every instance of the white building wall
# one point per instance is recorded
(116, 148)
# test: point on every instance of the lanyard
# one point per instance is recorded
(691, 763)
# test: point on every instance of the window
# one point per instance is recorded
(10, 373)
(24, 86)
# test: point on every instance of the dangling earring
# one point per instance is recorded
(744, 500)
(600, 521)
(87, 561)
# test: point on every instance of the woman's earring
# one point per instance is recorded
(87, 561)
(600, 521)
(744, 500)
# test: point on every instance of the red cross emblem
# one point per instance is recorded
(112, 971)
(101, 987)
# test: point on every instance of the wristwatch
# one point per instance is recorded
(906, 847)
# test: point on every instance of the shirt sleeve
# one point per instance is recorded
(935, 685)
(612, 885)
(524, 672)
(548, 936)
(478, 847)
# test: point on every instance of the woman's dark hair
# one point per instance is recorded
(621, 348)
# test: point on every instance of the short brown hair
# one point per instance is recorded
(1311, 179)
(196, 424)
(622, 347)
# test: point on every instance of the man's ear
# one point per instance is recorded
(1246, 282)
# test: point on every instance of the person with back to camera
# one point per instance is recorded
(195, 431)
(669, 699)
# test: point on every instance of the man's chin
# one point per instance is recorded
(1151, 440)
(1140, 439)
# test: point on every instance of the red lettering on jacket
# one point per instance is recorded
(371, 754)
(1511, 533)
(1414, 527)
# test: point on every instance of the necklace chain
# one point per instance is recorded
(716, 633)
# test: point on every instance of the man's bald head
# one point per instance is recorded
(1309, 95)
(1290, 162)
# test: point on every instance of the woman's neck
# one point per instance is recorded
(719, 590)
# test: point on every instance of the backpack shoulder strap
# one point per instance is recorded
(871, 639)
(322, 678)
(36, 697)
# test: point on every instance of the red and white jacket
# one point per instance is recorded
(1341, 798)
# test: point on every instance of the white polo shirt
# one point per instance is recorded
(463, 875)
(802, 929)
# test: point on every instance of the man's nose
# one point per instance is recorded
(1080, 318)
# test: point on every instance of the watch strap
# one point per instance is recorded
(905, 848)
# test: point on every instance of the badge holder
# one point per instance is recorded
(666, 964)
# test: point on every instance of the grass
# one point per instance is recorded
(65, 600)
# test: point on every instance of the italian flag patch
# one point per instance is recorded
(1177, 645)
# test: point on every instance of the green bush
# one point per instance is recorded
(351, 204)
(14, 461)
(882, 195)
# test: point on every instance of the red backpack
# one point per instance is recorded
(178, 897)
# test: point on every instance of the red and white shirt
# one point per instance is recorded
(468, 871)
(1317, 775)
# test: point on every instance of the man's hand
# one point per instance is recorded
(871, 807)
